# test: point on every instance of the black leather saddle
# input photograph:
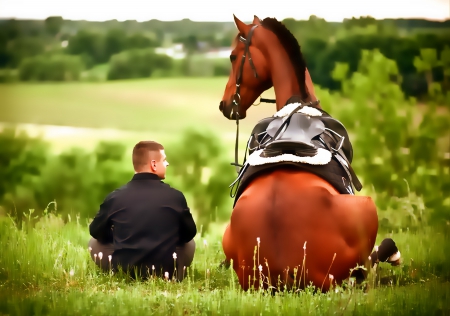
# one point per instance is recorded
(302, 134)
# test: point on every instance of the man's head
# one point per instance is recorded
(149, 156)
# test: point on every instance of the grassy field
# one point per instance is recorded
(47, 270)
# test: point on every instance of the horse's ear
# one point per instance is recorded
(242, 27)
(256, 20)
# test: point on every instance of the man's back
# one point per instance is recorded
(149, 219)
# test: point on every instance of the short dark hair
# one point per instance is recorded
(142, 151)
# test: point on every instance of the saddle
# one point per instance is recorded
(303, 134)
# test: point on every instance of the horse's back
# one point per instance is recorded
(289, 209)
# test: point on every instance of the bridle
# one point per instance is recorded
(237, 96)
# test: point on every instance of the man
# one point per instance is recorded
(142, 224)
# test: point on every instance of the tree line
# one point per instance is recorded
(57, 49)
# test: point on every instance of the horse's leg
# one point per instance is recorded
(227, 247)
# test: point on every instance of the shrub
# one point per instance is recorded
(137, 63)
(51, 68)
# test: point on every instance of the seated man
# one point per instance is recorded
(143, 223)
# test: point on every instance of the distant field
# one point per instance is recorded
(158, 108)
(135, 105)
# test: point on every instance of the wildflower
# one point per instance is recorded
(260, 268)
(166, 275)
(90, 249)
(95, 256)
(153, 267)
(376, 248)
(100, 255)
(205, 243)
(258, 240)
(71, 273)
(174, 255)
(331, 277)
(110, 258)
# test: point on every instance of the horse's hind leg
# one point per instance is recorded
(227, 246)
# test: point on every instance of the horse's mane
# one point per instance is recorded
(290, 44)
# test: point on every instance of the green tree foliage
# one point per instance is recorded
(21, 157)
(115, 42)
(22, 48)
(199, 171)
(88, 43)
(139, 40)
(137, 63)
(53, 25)
(393, 138)
(51, 68)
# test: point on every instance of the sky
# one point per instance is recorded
(213, 10)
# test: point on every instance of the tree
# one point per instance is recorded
(53, 25)
(425, 63)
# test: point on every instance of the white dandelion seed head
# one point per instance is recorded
(260, 268)
(184, 267)
(100, 255)
(110, 258)
(71, 273)
(90, 249)
(95, 255)
(174, 255)
(331, 277)
(166, 275)
(153, 267)
(376, 248)
(258, 240)
(205, 242)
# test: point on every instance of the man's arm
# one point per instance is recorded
(188, 229)
(100, 227)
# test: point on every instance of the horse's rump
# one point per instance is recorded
(289, 209)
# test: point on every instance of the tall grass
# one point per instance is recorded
(45, 269)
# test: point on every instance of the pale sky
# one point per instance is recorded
(214, 10)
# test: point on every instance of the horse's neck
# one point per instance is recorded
(284, 79)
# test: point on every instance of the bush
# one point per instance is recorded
(137, 63)
(400, 148)
(51, 68)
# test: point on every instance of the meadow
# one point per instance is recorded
(45, 267)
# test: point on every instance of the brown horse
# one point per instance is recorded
(288, 227)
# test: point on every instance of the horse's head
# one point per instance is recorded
(250, 74)
(266, 54)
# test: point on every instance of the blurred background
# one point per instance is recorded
(81, 82)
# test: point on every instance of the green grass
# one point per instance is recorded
(35, 279)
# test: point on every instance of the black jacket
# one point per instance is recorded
(146, 220)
